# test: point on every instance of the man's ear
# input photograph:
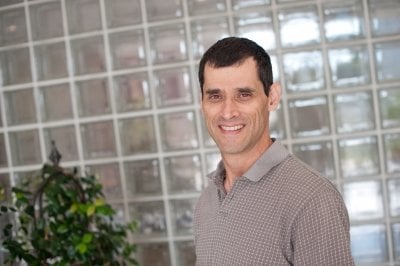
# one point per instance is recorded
(274, 97)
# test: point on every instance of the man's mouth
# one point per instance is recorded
(232, 128)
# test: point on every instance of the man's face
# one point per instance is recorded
(236, 109)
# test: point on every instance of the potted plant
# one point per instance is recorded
(65, 221)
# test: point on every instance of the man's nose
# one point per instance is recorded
(229, 109)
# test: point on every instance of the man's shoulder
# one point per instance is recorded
(298, 171)
(297, 178)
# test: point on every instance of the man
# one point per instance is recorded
(262, 206)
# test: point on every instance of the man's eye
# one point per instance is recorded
(244, 95)
(214, 97)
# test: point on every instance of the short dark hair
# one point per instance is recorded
(234, 50)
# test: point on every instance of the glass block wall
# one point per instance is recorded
(114, 84)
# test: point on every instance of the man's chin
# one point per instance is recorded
(230, 150)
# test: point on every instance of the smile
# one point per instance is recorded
(232, 128)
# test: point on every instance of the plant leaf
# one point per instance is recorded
(82, 248)
(87, 238)
(74, 208)
(62, 229)
(99, 202)
(30, 210)
(90, 210)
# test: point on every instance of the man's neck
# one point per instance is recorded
(238, 164)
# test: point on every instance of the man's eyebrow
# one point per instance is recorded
(246, 89)
(212, 91)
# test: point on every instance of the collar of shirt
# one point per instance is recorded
(274, 155)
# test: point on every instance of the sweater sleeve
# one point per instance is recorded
(321, 231)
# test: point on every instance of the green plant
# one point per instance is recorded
(66, 221)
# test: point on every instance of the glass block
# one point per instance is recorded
(65, 140)
(304, 71)
(151, 218)
(389, 106)
(173, 87)
(51, 61)
(392, 152)
(185, 252)
(198, 7)
(309, 117)
(386, 56)
(123, 13)
(239, 4)
(93, 97)
(359, 157)
(98, 140)
(182, 216)
(354, 112)
(27, 179)
(368, 243)
(20, 106)
(275, 67)
(364, 200)
(3, 153)
(52, 108)
(212, 160)
(287, 1)
(88, 55)
(318, 155)
(46, 20)
(173, 137)
(143, 178)
(165, 49)
(160, 10)
(15, 66)
(206, 32)
(5, 199)
(127, 49)
(25, 147)
(394, 196)
(120, 215)
(299, 26)
(396, 240)
(110, 179)
(277, 123)
(10, 2)
(4, 254)
(1, 119)
(349, 66)
(256, 26)
(13, 26)
(183, 174)
(83, 15)
(137, 135)
(384, 17)
(132, 92)
(5, 189)
(344, 20)
(154, 254)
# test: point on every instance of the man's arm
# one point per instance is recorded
(320, 233)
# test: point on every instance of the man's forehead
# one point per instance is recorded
(215, 65)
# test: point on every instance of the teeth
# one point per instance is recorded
(233, 128)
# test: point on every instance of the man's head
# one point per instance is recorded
(237, 96)
(234, 50)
